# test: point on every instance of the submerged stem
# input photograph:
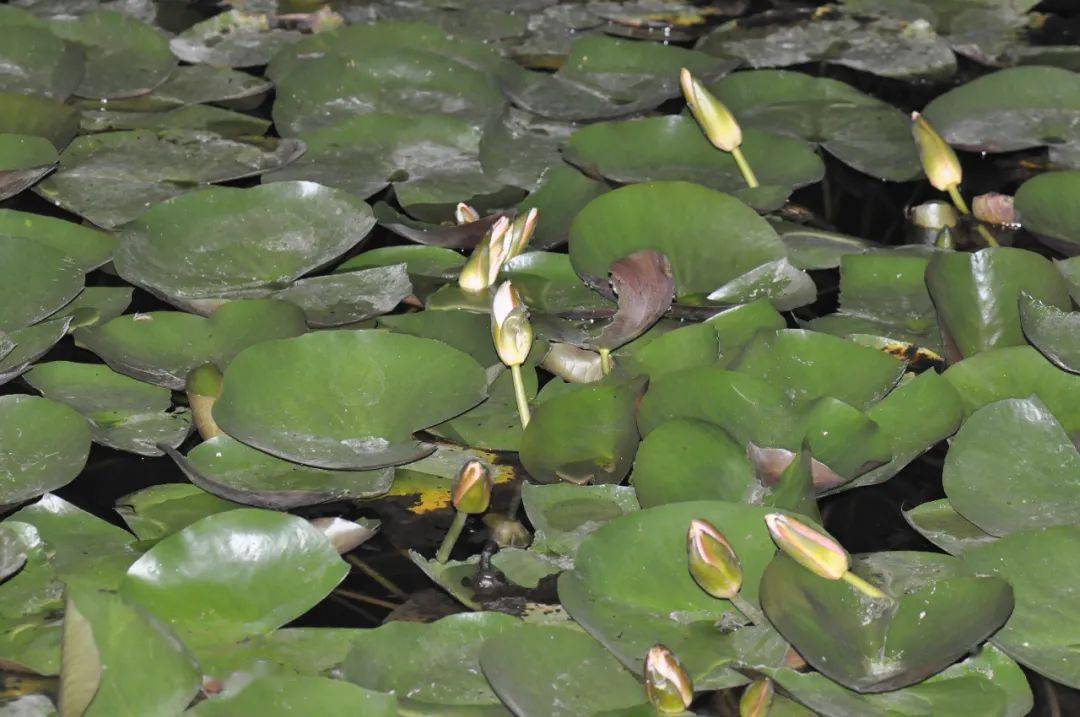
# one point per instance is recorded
(862, 586)
(961, 205)
(605, 361)
(452, 534)
(519, 394)
(744, 167)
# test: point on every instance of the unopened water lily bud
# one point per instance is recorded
(715, 119)
(713, 563)
(510, 327)
(482, 268)
(666, 682)
(346, 535)
(521, 232)
(938, 158)
(756, 698)
(464, 214)
(812, 549)
(472, 488)
(203, 388)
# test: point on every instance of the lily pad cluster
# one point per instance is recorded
(558, 309)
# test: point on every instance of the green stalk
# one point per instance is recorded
(519, 394)
(605, 361)
(753, 612)
(862, 586)
(744, 167)
(452, 535)
(961, 205)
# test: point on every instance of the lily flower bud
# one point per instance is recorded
(938, 158)
(482, 268)
(472, 488)
(756, 698)
(814, 550)
(521, 232)
(713, 563)
(510, 327)
(666, 682)
(464, 214)
(715, 119)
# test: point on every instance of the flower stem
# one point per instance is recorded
(519, 394)
(605, 361)
(753, 612)
(862, 586)
(961, 205)
(744, 167)
(452, 534)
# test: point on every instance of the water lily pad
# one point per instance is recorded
(163, 347)
(1039, 565)
(228, 469)
(38, 116)
(34, 60)
(494, 424)
(562, 193)
(976, 295)
(348, 297)
(812, 248)
(457, 236)
(710, 238)
(938, 522)
(563, 514)
(1004, 488)
(1046, 205)
(1054, 332)
(428, 267)
(309, 651)
(112, 178)
(124, 57)
(191, 117)
(586, 434)
(1015, 108)
(161, 510)
(24, 159)
(35, 281)
(231, 39)
(295, 696)
(664, 349)
(541, 671)
(106, 639)
(441, 677)
(518, 148)
(88, 247)
(95, 305)
(464, 330)
(877, 645)
(371, 392)
(239, 242)
(30, 344)
(45, 446)
(429, 159)
(547, 284)
(209, 587)
(195, 84)
(123, 413)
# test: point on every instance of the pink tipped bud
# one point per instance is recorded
(510, 327)
(666, 682)
(756, 698)
(464, 214)
(814, 550)
(715, 119)
(713, 563)
(938, 158)
(472, 488)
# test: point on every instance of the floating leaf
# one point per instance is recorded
(1046, 204)
(1054, 332)
(45, 447)
(37, 116)
(161, 510)
(562, 193)
(295, 696)
(24, 159)
(348, 297)
(563, 514)
(231, 39)
(35, 281)
(34, 60)
(457, 236)
(938, 522)
(89, 248)
(520, 149)
(191, 117)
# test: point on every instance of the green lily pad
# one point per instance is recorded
(111, 178)
(124, 57)
(710, 238)
(494, 424)
(161, 510)
(106, 639)
(1017, 372)
(562, 193)
(861, 131)
(459, 236)
(1012, 109)
(295, 696)
(24, 159)
(1046, 205)
(562, 514)
(95, 305)
(541, 671)
(230, 470)
(429, 159)
(938, 522)
(35, 281)
(520, 570)
(663, 350)
(89, 248)
(359, 410)
(877, 645)
(122, 413)
(348, 297)
(518, 148)
(586, 434)
(1040, 566)
(309, 651)
(31, 343)
(1054, 332)
(735, 326)
(34, 60)
(444, 675)
(976, 295)
(988, 683)
(45, 446)
(812, 248)
(428, 267)
(1004, 488)
(464, 330)
(547, 283)
(673, 147)
(205, 118)
(239, 242)
(38, 116)
(209, 587)
(163, 347)
(231, 39)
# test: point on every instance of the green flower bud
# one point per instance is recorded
(715, 119)
(756, 698)
(472, 488)
(814, 550)
(510, 327)
(521, 232)
(482, 268)
(713, 564)
(666, 682)
(938, 158)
